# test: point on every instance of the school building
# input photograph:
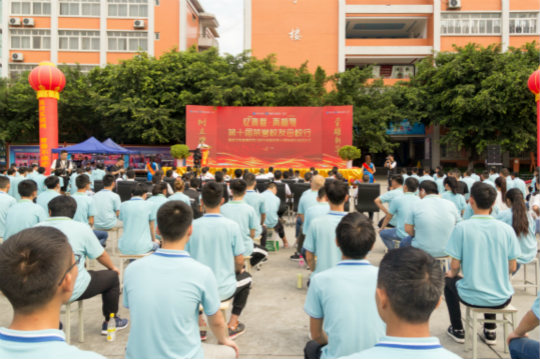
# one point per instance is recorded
(391, 35)
(99, 32)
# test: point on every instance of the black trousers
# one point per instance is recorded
(240, 296)
(259, 253)
(106, 283)
(312, 350)
(279, 229)
(454, 311)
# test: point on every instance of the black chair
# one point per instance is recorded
(297, 189)
(262, 185)
(225, 193)
(98, 185)
(289, 181)
(149, 186)
(365, 199)
(124, 189)
(282, 195)
(170, 181)
(141, 179)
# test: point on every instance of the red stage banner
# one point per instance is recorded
(270, 136)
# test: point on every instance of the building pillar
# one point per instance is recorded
(103, 42)
(436, 26)
(247, 24)
(341, 35)
(436, 146)
(505, 25)
(5, 38)
(54, 31)
(151, 27)
(183, 26)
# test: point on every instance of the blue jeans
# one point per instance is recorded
(102, 236)
(524, 348)
(298, 227)
(388, 237)
(406, 242)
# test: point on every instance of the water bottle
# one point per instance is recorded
(111, 329)
(301, 261)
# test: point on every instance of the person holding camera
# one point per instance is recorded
(391, 165)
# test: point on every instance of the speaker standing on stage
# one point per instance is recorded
(205, 151)
(62, 163)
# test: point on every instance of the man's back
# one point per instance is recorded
(308, 199)
(344, 297)
(271, 203)
(6, 201)
(13, 189)
(107, 203)
(256, 201)
(163, 292)
(136, 215)
(315, 211)
(400, 208)
(244, 215)
(215, 242)
(179, 196)
(23, 214)
(85, 207)
(44, 198)
(98, 174)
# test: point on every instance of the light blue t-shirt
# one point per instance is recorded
(85, 207)
(14, 184)
(406, 348)
(425, 178)
(163, 292)
(485, 283)
(156, 202)
(271, 204)
(244, 215)
(215, 242)
(72, 185)
(440, 184)
(492, 184)
(457, 199)
(536, 306)
(527, 242)
(44, 198)
(179, 196)
(509, 183)
(107, 203)
(307, 199)
(475, 177)
(321, 240)
(22, 215)
(46, 344)
(400, 208)
(6, 201)
(256, 201)
(344, 296)
(389, 196)
(469, 181)
(83, 241)
(433, 219)
(493, 177)
(97, 175)
(521, 185)
(40, 180)
(136, 215)
(321, 208)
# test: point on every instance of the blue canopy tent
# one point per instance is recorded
(110, 143)
(91, 145)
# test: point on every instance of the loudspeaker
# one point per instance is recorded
(494, 154)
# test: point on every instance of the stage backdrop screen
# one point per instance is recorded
(270, 136)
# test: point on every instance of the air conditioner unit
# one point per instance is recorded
(454, 4)
(17, 56)
(15, 21)
(28, 21)
(139, 24)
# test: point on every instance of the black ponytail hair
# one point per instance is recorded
(520, 220)
(452, 183)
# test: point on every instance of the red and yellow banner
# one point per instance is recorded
(48, 130)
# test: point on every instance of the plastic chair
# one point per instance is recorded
(67, 327)
(365, 198)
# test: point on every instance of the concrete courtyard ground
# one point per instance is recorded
(276, 323)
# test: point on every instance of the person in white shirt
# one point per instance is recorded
(63, 163)
(391, 165)
(206, 175)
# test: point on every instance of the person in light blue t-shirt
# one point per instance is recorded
(179, 192)
(98, 173)
(395, 192)
(271, 204)
(485, 283)
(519, 183)
(321, 208)
(25, 213)
(407, 273)
(53, 190)
(451, 193)
(37, 285)
(138, 218)
(321, 250)
(39, 178)
(86, 209)
(6, 201)
(520, 346)
(19, 177)
(256, 201)
(107, 205)
(159, 197)
(341, 301)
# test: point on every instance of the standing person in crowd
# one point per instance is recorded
(521, 347)
(99, 172)
(391, 165)
(62, 163)
(451, 194)
(15, 183)
(6, 201)
(396, 190)
(485, 283)
(484, 178)
(86, 209)
(25, 213)
(206, 175)
(53, 190)
(523, 224)
(500, 202)
(369, 168)
(469, 181)
(39, 178)
(400, 208)
(170, 329)
(509, 181)
(320, 239)
(431, 222)
(193, 193)
(86, 245)
(439, 178)
(493, 174)
(338, 324)
(409, 288)
(179, 192)
(137, 216)
(321, 208)
(38, 271)
(118, 169)
(256, 201)
(107, 206)
(519, 183)
(217, 242)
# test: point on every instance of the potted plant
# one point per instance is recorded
(180, 153)
(349, 153)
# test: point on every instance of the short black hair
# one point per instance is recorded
(250, 179)
(108, 180)
(130, 174)
(32, 263)
(271, 185)
(140, 189)
(173, 220)
(82, 181)
(62, 206)
(11, 171)
(430, 187)
(27, 187)
(398, 179)
(41, 170)
(238, 173)
(4, 181)
(321, 193)
(308, 176)
(413, 281)
(218, 176)
(238, 187)
(51, 182)
(212, 193)
(484, 195)
(277, 175)
(355, 235)
(412, 184)
(195, 183)
(168, 173)
(336, 191)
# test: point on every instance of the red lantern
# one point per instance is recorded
(534, 86)
(48, 82)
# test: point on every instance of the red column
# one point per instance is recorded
(48, 130)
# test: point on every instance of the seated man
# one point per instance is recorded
(321, 208)
(341, 300)
(520, 346)
(404, 274)
(271, 203)
(396, 191)
(218, 243)
(321, 237)
(431, 222)
(170, 329)
(6, 201)
(38, 272)
(137, 216)
(107, 206)
(25, 213)
(86, 210)
(53, 190)
(256, 201)
(85, 244)
(485, 283)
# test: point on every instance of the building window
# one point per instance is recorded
(82, 68)
(27, 7)
(88, 8)
(524, 23)
(471, 24)
(25, 39)
(16, 70)
(157, 35)
(78, 40)
(128, 8)
(128, 41)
